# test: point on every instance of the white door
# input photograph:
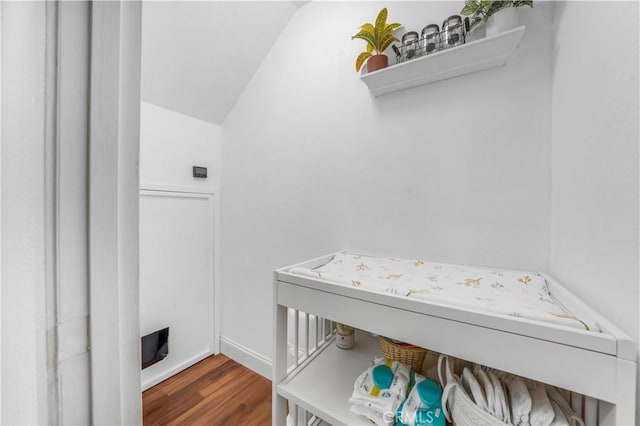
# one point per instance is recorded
(176, 277)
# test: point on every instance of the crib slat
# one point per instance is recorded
(590, 411)
(296, 339)
(318, 319)
(294, 415)
(306, 326)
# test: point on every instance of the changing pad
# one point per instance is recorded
(514, 293)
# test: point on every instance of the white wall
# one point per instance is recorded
(595, 130)
(171, 143)
(24, 376)
(178, 245)
(455, 171)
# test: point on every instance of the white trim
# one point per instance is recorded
(52, 206)
(246, 357)
(217, 279)
(1, 337)
(114, 143)
(167, 374)
(148, 186)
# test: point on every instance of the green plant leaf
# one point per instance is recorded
(391, 27)
(368, 37)
(381, 23)
(467, 10)
(361, 58)
(368, 27)
(369, 48)
(471, 7)
(386, 41)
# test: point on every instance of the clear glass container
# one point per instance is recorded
(409, 46)
(430, 40)
(453, 32)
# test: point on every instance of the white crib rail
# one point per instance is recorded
(312, 330)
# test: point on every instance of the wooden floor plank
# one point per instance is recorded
(215, 391)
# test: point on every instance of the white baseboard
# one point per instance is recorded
(246, 357)
(165, 375)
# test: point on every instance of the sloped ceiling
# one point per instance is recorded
(197, 57)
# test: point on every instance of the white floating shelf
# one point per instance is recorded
(488, 52)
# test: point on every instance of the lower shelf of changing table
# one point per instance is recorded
(324, 385)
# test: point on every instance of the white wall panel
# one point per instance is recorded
(176, 277)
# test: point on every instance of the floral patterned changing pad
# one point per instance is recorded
(514, 293)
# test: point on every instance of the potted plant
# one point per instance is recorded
(487, 11)
(378, 37)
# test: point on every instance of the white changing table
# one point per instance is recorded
(317, 378)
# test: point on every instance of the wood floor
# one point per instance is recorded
(215, 391)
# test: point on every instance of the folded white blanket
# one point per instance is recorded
(501, 404)
(559, 418)
(542, 413)
(569, 414)
(490, 394)
(473, 388)
(520, 401)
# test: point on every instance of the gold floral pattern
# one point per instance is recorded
(520, 294)
(472, 282)
(542, 299)
(418, 291)
(525, 280)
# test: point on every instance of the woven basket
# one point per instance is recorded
(411, 356)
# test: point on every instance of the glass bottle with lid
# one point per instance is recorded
(452, 32)
(430, 40)
(409, 45)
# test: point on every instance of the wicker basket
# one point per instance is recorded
(457, 405)
(412, 356)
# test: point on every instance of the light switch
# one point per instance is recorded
(199, 172)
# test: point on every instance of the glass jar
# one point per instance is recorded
(409, 46)
(430, 40)
(452, 32)
(344, 336)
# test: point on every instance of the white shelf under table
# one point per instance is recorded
(324, 386)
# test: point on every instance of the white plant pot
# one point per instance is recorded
(503, 20)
